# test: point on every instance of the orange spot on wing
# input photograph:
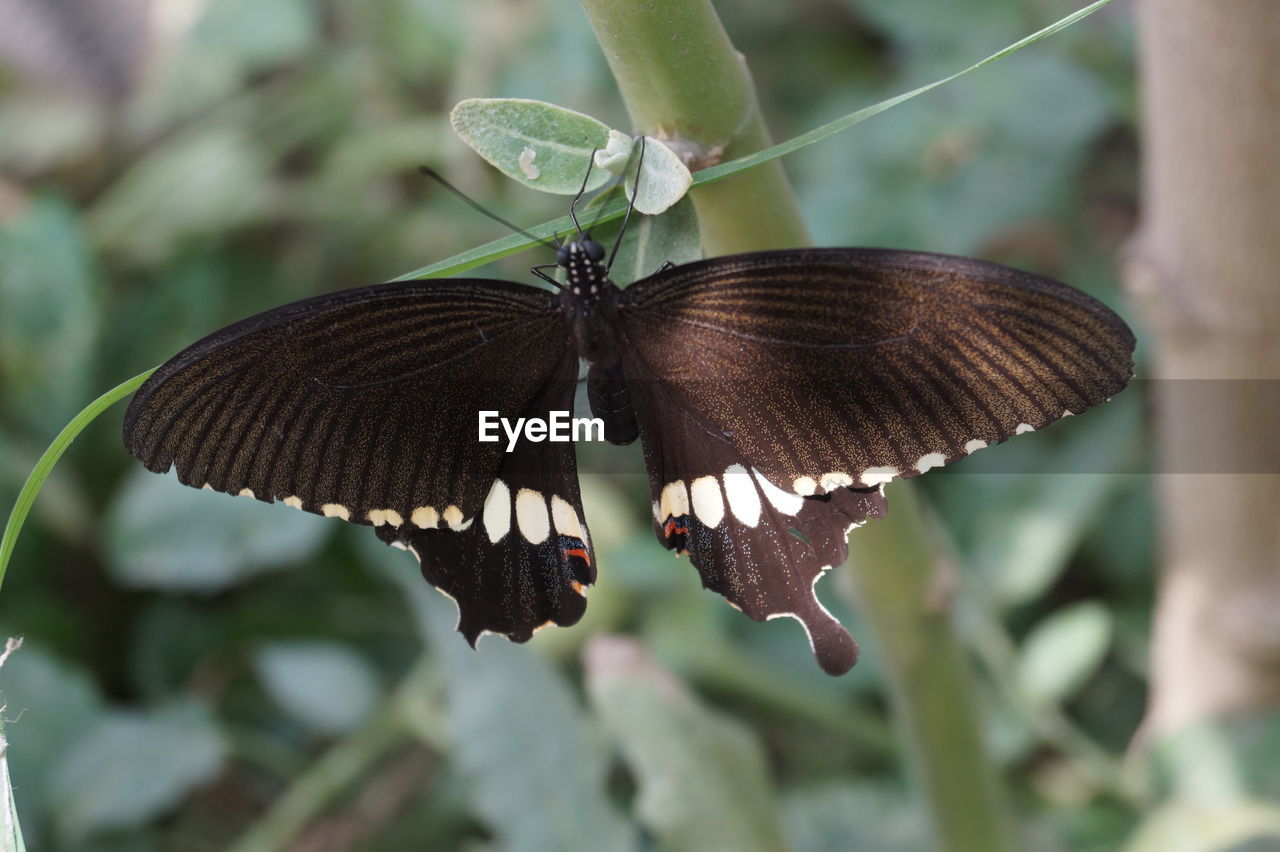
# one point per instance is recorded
(580, 553)
(672, 529)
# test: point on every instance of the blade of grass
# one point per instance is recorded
(27, 496)
(506, 246)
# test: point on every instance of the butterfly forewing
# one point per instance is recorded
(362, 404)
(835, 367)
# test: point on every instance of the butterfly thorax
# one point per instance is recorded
(589, 300)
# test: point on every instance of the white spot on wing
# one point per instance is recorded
(835, 479)
(245, 492)
(336, 510)
(565, 518)
(293, 502)
(805, 485)
(931, 460)
(787, 504)
(1067, 412)
(378, 517)
(708, 505)
(975, 445)
(1023, 428)
(532, 517)
(674, 501)
(497, 511)
(744, 499)
(453, 517)
(878, 475)
(425, 517)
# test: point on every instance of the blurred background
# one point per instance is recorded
(205, 673)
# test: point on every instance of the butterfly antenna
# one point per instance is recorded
(427, 171)
(631, 206)
(601, 201)
(573, 205)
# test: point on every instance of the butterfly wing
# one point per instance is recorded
(525, 559)
(364, 405)
(830, 367)
(776, 392)
(759, 546)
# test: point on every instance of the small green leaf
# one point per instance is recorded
(664, 178)
(326, 686)
(702, 777)
(131, 767)
(162, 534)
(616, 154)
(1063, 651)
(541, 145)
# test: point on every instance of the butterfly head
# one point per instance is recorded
(583, 262)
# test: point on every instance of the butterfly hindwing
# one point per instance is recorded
(759, 546)
(362, 404)
(836, 367)
(524, 559)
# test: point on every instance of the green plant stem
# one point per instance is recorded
(404, 716)
(671, 58)
(895, 569)
(683, 82)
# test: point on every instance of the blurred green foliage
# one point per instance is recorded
(200, 671)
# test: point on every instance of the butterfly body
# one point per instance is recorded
(774, 394)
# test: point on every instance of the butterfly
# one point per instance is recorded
(774, 394)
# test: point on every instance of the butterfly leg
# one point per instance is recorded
(537, 270)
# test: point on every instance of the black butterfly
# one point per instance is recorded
(774, 394)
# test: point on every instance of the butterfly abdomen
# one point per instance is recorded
(610, 400)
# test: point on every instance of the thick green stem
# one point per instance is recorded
(896, 570)
(683, 82)
(681, 78)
